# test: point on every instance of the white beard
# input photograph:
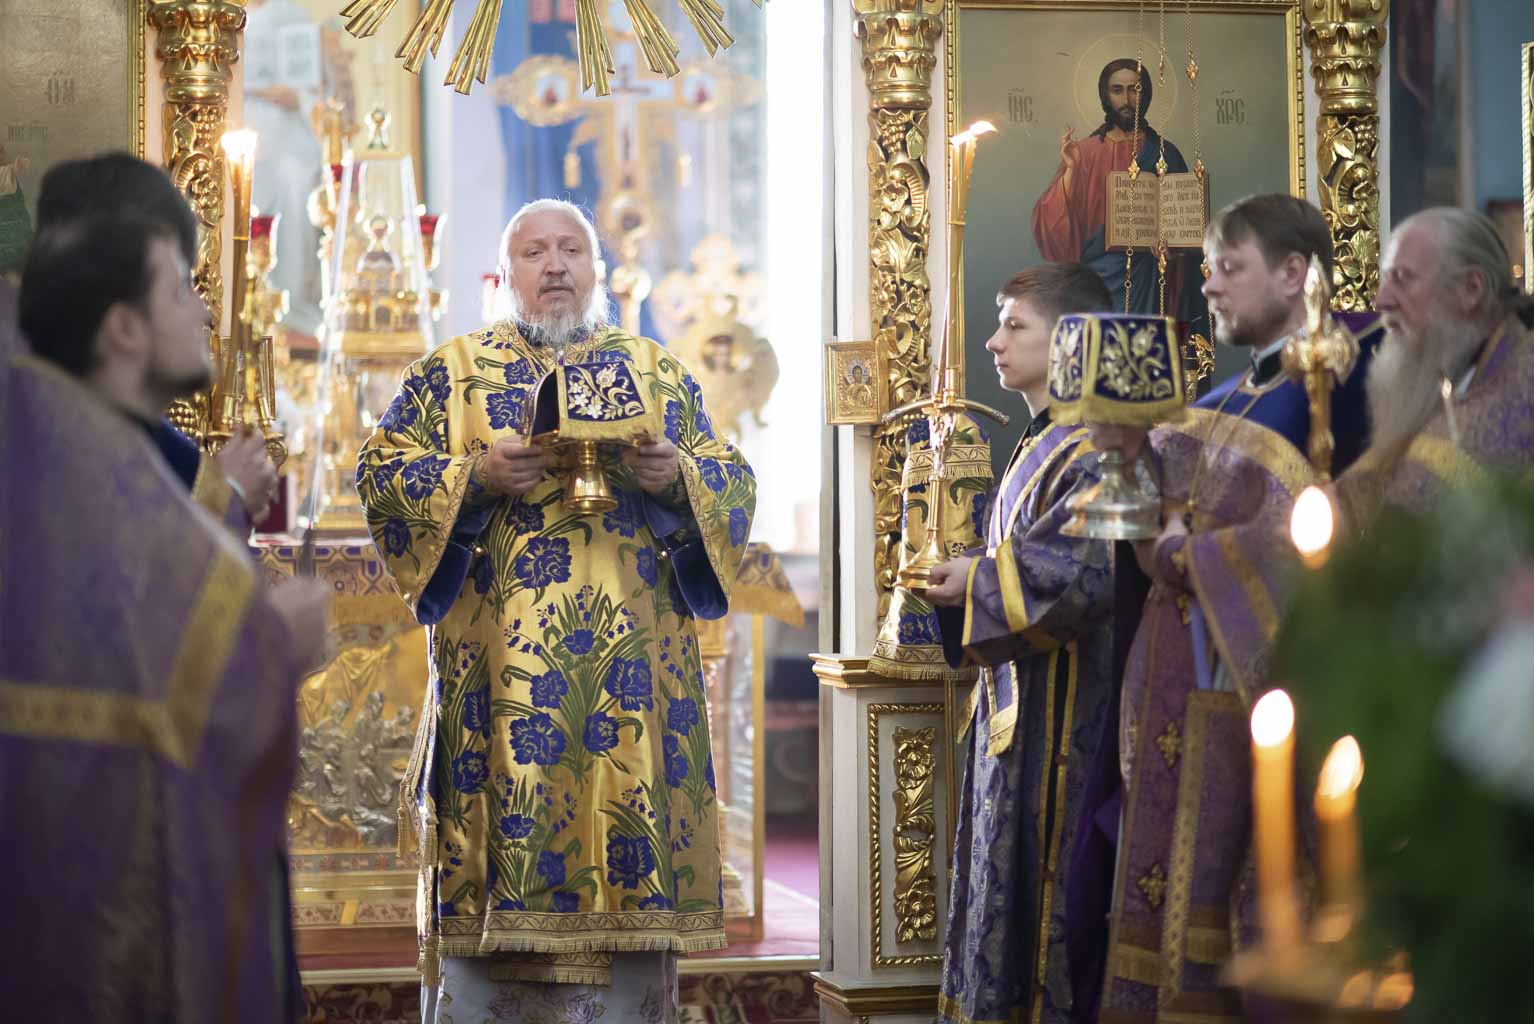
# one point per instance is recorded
(1405, 381)
(558, 330)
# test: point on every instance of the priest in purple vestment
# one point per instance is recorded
(1219, 576)
(1034, 608)
(147, 680)
(1452, 314)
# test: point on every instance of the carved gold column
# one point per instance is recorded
(198, 43)
(899, 39)
(1345, 37)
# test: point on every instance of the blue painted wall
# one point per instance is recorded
(1498, 30)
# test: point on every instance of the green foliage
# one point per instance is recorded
(1373, 645)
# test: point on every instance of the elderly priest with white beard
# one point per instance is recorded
(1449, 390)
(562, 787)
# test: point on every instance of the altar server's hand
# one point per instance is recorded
(244, 461)
(1154, 555)
(949, 581)
(304, 605)
(513, 467)
(655, 465)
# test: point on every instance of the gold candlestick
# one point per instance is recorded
(1273, 820)
(240, 154)
(947, 398)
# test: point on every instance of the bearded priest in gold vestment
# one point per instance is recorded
(562, 787)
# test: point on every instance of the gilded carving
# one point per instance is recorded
(914, 899)
(1345, 38)
(899, 40)
(198, 43)
(915, 829)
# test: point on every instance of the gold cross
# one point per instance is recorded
(1153, 886)
(1170, 744)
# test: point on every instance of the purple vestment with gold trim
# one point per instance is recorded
(148, 732)
(1037, 613)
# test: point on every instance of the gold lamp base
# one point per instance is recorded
(586, 489)
(1118, 507)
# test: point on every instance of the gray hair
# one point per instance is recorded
(1468, 242)
(506, 303)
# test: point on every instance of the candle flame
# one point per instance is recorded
(972, 133)
(240, 146)
(1343, 769)
(1311, 522)
(1272, 719)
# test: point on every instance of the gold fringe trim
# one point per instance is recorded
(556, 969)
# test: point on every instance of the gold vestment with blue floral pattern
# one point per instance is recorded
(562, 789)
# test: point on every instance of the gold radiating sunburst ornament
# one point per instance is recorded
(471, 62)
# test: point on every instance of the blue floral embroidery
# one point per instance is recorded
(580, 641)
(395, 536)
(445, 909)
(537, 740)
(708, 773)
(713, 476)
(629, 858)
(510, 904)
(476, 712)
(438, 382)
(977, 510)
(628, 681)
(551, 866)
(682, 715)
(470, 772)
(918, 432)
(674, 421)
(601, 733)
(505, 409)
(520, 826)
(655, 901)
(384, 474)
(549, 688)
(519, 371)
(400, 413)
(733, 471)
(919, 629)
(740, 526)
(644, 562)
(565, 902)
(525, 517)
(484, 574)
(546, 560)
(626, 518)
(424, 475)
(676, 761)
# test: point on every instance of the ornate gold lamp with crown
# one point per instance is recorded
(1116, 370)
(379, 315)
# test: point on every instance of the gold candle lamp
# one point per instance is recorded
(947, 398)
(1336, 803)
(240, 155)
(1320, 356)
(1119, 370)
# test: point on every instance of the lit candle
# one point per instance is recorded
(1273, 818)
(1311, 525)
(949, 366)
(1336, 798)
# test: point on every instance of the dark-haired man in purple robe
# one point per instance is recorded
(1034, 609)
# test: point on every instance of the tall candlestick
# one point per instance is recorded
(1273, 818)
(240, 155)
(1336, 799)
(947, 378)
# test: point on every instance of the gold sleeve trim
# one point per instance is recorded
(1009, 581)
(171, 728)
(211, 489)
